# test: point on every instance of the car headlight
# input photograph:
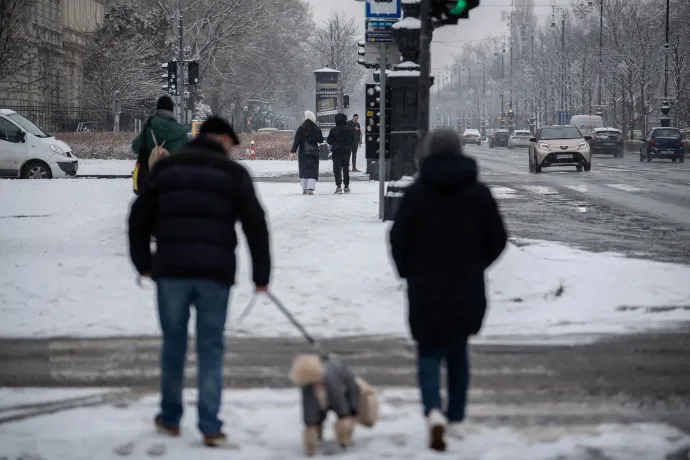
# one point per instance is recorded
(56, 148)
(544, 146)
(581, 145)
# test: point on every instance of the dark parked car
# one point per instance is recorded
(607, 141)
(499, 138)
(663, 143)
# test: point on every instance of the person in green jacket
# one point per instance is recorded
(163, 123)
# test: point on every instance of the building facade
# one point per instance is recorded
(57, 31)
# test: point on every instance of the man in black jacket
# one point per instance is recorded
(341, 138)
(447, 232)
(354, 124)
(191, 203)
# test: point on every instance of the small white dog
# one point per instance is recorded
(329, 385)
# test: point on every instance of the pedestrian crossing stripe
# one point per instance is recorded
(625, 188)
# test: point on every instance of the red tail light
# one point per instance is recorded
(596, 138)
(651, 142)
(493, 138)
(682, 143)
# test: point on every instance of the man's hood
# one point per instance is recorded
(447, 171)
(340, 119)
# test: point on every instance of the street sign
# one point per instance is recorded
(379, 30)
(379, 37)
(383, 9)
(373, 53)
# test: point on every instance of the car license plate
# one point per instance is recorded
(564, 157)
(667, 152)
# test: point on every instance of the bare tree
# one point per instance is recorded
(335, 46)
(17, 50)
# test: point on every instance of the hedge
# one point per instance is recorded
(117, 146)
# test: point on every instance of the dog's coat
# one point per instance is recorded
(329, 385)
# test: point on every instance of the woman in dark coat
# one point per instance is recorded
(307, 140)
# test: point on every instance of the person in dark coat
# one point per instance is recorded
(447, 232)
(341, 139)
(354, 124)
(164, 126)
(307, 139)
(191, 202)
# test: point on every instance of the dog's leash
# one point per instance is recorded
(290, 318)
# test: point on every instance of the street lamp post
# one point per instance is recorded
(665, 108)
(601, 47)
(553, 24)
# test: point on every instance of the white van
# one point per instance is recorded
(587, 123)
(27, 152)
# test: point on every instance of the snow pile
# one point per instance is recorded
(265, 424)
(66, 271)
(408, 23)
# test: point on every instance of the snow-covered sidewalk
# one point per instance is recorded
(66, 271)
(266, 424)
(257, 169)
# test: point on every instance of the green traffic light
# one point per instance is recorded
(460, 7)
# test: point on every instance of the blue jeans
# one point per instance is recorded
(458, 378)
(175, 298)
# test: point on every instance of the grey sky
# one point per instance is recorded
(485, 21)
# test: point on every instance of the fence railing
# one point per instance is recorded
(57, 118)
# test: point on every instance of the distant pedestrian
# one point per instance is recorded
(162, 126)
(307, 140)
(447, 232)
(354, 124)
(341, 139)
(193, 200)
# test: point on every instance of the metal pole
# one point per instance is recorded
(180, 67)
(601, 44)
(503, 107)
(484, 99)
(382, 127)
(563, 66)
(425, 70)
(666, 46)
(510, 104)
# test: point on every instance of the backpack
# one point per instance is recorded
(309, 148)
(157, 152)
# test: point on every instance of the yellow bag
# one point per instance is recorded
(135, 176)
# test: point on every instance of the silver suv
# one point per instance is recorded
(559, 146)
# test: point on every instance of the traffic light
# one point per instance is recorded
(346, 101)
(170, 78)
(373, 120)
(511, 114)
(193, 72)
(361, 52)
(448, 12)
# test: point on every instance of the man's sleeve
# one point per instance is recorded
(141, 225)
(331, 137)
(401, 235)
(495, 235)
(255, 229)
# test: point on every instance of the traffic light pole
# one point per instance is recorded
(425, 71)
(382, 128)
(180, 69)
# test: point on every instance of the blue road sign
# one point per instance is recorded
(382, 9)
(379, 30)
